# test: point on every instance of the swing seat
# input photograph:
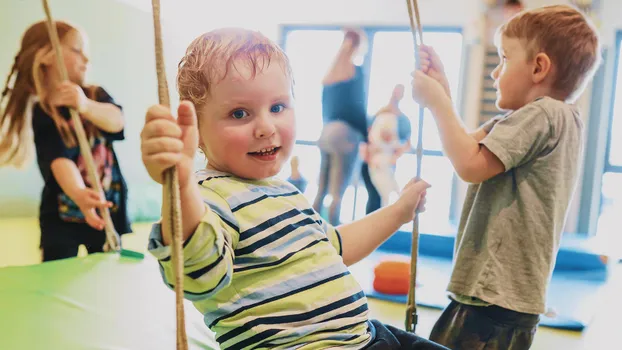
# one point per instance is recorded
(392, 277)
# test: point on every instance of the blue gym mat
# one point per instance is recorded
(577, 280)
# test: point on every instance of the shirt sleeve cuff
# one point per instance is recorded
(499, 151)
(156, 245)
(163, 252)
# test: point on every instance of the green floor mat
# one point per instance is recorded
(102, 301)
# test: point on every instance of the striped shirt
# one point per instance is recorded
(266, 271)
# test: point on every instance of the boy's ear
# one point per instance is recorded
(541, 68)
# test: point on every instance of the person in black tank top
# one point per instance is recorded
(344, 104)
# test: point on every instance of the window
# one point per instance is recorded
(389, 61)
(311, 52)
(392, 61)
(310, 55)
(611, 191)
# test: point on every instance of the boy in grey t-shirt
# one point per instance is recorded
(523, 168)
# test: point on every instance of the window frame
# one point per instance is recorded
(598, 136)
(370, 30)
(610, 168)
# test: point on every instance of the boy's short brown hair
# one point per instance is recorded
(209, 58)
(566, 36)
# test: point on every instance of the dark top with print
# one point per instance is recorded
(58, 213)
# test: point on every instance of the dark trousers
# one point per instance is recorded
(492, 327)
(391, 338)
(62, 240)
(373, 197)
(67, 250)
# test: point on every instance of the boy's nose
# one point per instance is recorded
(265, 127)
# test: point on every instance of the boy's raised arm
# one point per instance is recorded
(361, 237)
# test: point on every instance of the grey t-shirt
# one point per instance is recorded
(511, 224)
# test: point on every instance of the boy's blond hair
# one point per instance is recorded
(566, 36)
(209, 58)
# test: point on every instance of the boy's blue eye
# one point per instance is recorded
(239, 114)
(278, 108)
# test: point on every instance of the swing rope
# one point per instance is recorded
(411, 308)
(112, 237)
(171, 191)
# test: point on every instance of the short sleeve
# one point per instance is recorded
(101, 95)
(519, 137)
(488, 125)
(208, 252)
(404, 128)
(333, 235)
(48, 142)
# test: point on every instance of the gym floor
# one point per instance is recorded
(20, 241)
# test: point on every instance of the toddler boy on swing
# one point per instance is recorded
(260, 264)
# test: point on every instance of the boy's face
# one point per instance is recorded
(513, 75)
(247, 126)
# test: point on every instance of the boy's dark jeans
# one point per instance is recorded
(492, 327)
(390, 338)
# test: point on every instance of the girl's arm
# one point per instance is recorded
(70, 180)
(105, 116)
(68, 176)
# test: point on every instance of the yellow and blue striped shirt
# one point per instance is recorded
(266, 271)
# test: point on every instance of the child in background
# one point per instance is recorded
(523, 169)
(344, 116)
(260, 264)
(389, 138)
(38, 108)
(296, 177)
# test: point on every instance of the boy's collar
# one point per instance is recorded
(206, 172)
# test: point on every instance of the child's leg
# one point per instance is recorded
(384, 181)
(95, 242)
(379, 181)
(59, 250)
(391, 338)
(335, 176)
(322, 189)
(484, 327)
(373, 197)
(57, 241)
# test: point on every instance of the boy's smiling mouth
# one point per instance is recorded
(267, 153)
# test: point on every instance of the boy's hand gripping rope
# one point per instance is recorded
(411, 308)
(171, 190)
(113, 241)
